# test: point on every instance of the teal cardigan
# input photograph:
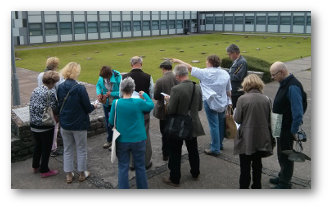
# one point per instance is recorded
(130, 118)
(115, 79)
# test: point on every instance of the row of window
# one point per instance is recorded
(259, 20)
(65, 28)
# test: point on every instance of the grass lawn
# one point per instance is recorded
(93, 57)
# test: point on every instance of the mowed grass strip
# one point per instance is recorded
(118, 54)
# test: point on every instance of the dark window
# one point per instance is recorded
(50, 28)
(238, 20)
(65, 28)
(308, 20)
(299, 20)
(104, 27)
(137, 26)
(249, 20)
(163, 25)
(24, 22)
(126, 26)
(171, 24)
(228, 20)
(115, 27)
(146, 25)
(155, 25)
(272, 20)
(35, 29)
(179, 24)
(92, 27)
(261, 20)
(218, 20)
(16, 15)
(79, 28)
(209, 20)
(285, 20)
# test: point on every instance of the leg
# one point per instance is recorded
(174, 163)
(123, 155)
(148, 142)
(222, 126)
(80, 138)
(46, 146)
(245, 177)
(54, 147)
(193, 156)
(285, 143)
(37, 150)
(138, 152)
(106, 116)
(68, 145)
(212, 117)
(256, 171)
(162, 124)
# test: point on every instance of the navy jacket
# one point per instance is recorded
(74, 115)
(237, 72)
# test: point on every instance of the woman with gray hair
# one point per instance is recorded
(132, 140)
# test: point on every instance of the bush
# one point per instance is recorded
(254, 64)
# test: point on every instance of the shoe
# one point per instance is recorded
(274, 180)
(169, 182)
(107, 145)
(195, 178)
(49, 173)
(35, 170)
(165, 158)
(84, 175)
(221, 148)
(281, 186)
(209, 152)
(69, 177)
(149, 166)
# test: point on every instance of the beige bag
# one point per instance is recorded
(115, 136)
(231, 128)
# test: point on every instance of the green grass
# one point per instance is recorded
(281, 49)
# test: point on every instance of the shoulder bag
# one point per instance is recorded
(115, 136)
(48, 115)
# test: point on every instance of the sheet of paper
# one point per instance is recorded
(135, 95)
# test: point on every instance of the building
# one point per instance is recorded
(35, 27)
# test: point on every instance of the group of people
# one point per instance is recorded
(127, 103)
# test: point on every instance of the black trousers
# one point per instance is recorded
(42, 147)
(285, 142)
(174, 163)
(165, 148)
(245, 178)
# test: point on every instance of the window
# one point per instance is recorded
(171, 24)
(249, 20)
(285, 20)
(50, 28)
(115, 27)
(146, 25)
(126, 26)
(92, 27)
(261, 20)
(155, 25)
(228, 20)
(163, 25)
(299, 20)
(16, 15)
(218, 20)
(209, 20)
(35, 29)
(137, 26)
(238, 20)
(272, 20)
(65, 28)
(104, 27)
(79, 28)
(308, 20)
(179, 24)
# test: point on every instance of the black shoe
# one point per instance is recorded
(281, 186)
(149, 166)
(169, 182)
(274, 181)
(221, 148)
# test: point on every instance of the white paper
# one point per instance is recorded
(135, 95)
(164, 94)
(113, 146)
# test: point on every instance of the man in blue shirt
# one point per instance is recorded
(291, 102)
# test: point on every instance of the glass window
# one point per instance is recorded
(308, 20)
(272, 20)
(65, 28)
(218, 20)
(146, 25)
(51, 28)
(163, 25)
(299, 20)
(238, 20)
(285, 20)
(249, 20)
(35, 29)
(228, 20)
(137, 26)
(104, 27)
(171, 24)
(126, 26)
(261, 20)
(92, 27)
(155, 25)
(115, 27)
(179, 24)
(209, 20)
(79, 28)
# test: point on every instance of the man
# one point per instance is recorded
(237, 72)
(163, 85)
(143, 82)
(291, 102)
(179, 102)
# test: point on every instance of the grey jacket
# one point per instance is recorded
(180, 100)
(253, 114)
(237, 72)
(164, 84)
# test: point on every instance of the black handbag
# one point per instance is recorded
(180, 126)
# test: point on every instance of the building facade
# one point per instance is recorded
(35, 27)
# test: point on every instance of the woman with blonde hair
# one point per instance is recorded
(254, 139)
(74, 107)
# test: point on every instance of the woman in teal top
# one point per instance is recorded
(107, 89)
(132, 140)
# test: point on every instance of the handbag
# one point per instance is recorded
(180, 126)
(48, 115)
(231, 128)
(115, 136)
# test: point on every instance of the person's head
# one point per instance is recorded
(52, 63)
(71, 71)
(127, 86)
(233, 52)
(106, 72)
(50, 78)
(278, 71)
(252, 82)
(181, 72)
(136, 62)
(166, 66)
(213, 61)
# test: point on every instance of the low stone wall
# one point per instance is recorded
(22, 141)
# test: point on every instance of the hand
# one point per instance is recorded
(95, 105)
(167, 98)
(141, 94)
(176, 60)
(108, 94)
(99, 97)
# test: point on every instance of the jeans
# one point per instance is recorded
(106, 116)
(245, 178)
(216, 122)
(123, 151)
(42, 147)
(165, 148)
(174, 163)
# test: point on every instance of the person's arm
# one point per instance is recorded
(112, 113)
(238, 112)
(39, 79)
(173, 102)
(240, 72)
(54, 102)
(182, 62)
(147, 104)
(84, 99)
(151, 88)
(99, 85)
(295, 98)
(116, 93)
(228, 89)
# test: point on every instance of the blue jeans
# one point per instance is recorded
(138, 150)
(217, 127)
(108, 127)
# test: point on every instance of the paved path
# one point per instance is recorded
(220, 172)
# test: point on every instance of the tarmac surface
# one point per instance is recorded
(221, 172)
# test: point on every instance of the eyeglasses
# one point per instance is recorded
(273, 75)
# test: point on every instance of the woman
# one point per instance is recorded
(107, 89)
(41, 97)
(132, 140)
(74, 105)
(253, 140)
